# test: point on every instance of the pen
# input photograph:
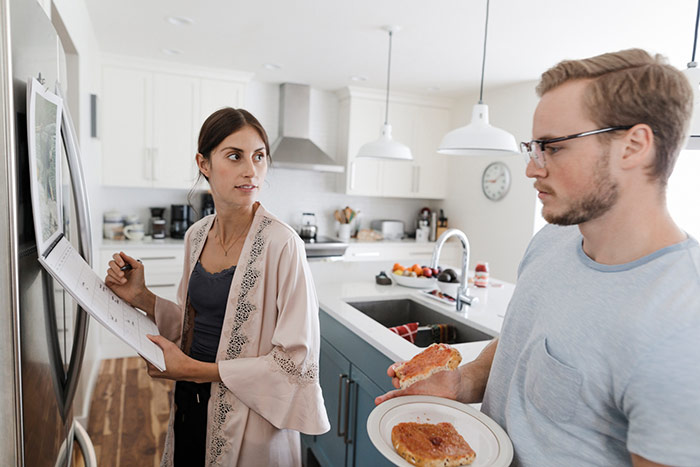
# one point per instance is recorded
(128, 267)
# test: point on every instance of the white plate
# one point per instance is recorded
(415, 282)
(491, 444)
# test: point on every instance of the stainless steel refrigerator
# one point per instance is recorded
(42, 330)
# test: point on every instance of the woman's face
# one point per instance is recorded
(236, 168)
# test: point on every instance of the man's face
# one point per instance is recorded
(576, 184)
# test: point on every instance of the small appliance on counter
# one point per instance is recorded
(308, 228)
(208, 204)
(180, 220)
(423, 229)
(157, 223)
(390, 229)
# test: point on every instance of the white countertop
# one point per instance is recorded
(144, 243)
(340, 282)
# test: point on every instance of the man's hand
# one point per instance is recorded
(466, 384)
(441, 384)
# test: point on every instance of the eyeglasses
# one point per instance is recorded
(535, 149)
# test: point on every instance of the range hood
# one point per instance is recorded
(293, 149)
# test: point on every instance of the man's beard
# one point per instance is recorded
(594, 204)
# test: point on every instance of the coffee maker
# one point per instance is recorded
(207, 205)
(180, 220)
(157, 223)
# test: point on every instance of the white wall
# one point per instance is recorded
(498, 231)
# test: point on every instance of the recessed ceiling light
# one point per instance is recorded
(171, 51)
(179, 20)
(358, 78)
(271, 66)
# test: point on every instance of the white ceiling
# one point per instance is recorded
(325, 42)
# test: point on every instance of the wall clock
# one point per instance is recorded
(495, 181)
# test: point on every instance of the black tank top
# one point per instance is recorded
(208, 294)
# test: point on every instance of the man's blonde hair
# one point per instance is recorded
(631, 87)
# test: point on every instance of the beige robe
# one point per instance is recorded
(268, 352)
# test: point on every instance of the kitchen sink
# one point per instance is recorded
(392, 313)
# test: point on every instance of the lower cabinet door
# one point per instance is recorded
(330, 448)
(361, 451)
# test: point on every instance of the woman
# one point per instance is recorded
(243, 340)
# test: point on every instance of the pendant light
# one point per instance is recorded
(693, 75)
(479, 138)
(385, 147)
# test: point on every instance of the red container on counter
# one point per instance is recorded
(481, 275)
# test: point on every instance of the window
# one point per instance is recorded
(683, 193)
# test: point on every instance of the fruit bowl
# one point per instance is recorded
(449, 288)
(414, 282)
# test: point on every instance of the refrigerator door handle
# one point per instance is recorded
(84, 246)
(85, 443)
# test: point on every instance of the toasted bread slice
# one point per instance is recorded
(431, 445)
(437, 357)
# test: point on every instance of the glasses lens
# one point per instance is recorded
(537, 154)
(525, 152)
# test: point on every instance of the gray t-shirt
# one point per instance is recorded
(597, 361)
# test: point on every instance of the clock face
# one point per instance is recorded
(495, 182)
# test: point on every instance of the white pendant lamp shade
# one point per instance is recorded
(478, 138)
(385, 147)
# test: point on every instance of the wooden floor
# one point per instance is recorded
(128, 414)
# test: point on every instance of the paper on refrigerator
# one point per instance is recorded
(66, 265)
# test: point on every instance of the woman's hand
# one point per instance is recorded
(176, 362)
(129, 285)
(180, 367)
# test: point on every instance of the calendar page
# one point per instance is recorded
(126, 322)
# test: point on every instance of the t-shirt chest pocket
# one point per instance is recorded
(551, 386)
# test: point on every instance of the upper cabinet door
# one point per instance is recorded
(174, 147)
(215, 94)
(398, 176)
(126, 127)
(431, 167)
(418, 122)
(363, 175)
(152, 119)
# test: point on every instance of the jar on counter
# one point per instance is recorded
(113, 225)
(481, 275)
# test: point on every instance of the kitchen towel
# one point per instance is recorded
(407, 331)
(443, 333)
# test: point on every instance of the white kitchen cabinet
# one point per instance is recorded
(416, 121)
(126, 127)
(151, 121)
(162, 272)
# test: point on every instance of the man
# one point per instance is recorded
(598, 361)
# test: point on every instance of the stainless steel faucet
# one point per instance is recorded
(462, 298)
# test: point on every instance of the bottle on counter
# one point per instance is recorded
(433, 226)
(481, 275)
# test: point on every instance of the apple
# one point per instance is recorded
(427, 272)
(435, 271)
